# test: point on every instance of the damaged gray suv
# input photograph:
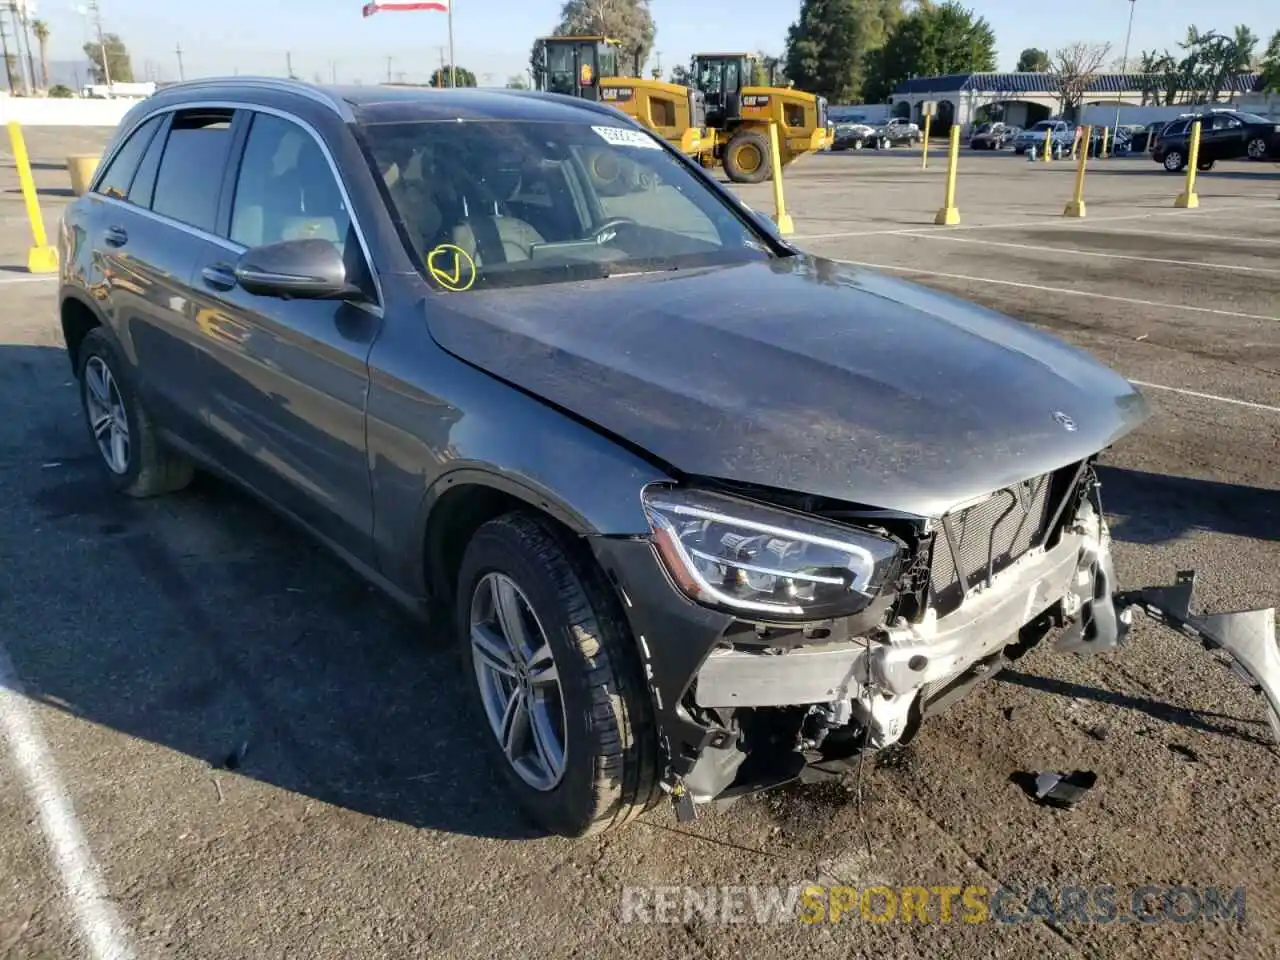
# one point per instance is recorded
(706, 514)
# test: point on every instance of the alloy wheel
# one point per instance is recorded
(1173, 161)
(108, 418)
(519, 683)
(1257, 149)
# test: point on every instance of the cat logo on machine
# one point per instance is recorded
(754, 101)
(617, 94)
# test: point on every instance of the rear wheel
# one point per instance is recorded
(136, 462)
(746, 157)
(1174, 160)
(556, 678)
(1205, 165)
(1257, 148)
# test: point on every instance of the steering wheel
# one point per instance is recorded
(611, 224)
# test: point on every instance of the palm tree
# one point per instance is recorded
(40, 30)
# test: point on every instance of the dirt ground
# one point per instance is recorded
(264, 759)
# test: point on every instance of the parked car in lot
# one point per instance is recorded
(896, 132)
(493, 350)
(851, 132)
(1033, 137)
(992, 136)
(1224, 135)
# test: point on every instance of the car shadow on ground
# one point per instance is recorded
(47, 191)
(1154, 508)
(203, 623)
(1266, 171)
(1248, 729)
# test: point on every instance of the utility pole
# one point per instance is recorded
(8, 64)
(333, 71)
(288, 64)
(388, 69)
(440, 75)
(178, 50)
(1124, 68)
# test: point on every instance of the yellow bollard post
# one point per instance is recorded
(1076, 207)
(924, 155)
(1048, 145)
(41, 258)
(949, 216)
(1102, 153)
(1188, 199)
(780, 215)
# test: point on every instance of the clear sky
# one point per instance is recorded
(492, 37)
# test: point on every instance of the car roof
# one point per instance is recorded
(385, 103)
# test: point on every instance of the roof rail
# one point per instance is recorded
(280, 84)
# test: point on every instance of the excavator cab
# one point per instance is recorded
(575, 65)
(587, 67)
(721, 77)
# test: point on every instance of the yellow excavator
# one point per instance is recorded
(588, 67)
(739, 112)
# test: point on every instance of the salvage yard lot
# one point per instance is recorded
(166, 641)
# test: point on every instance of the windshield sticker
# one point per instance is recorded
(622, 137)
(451, 267)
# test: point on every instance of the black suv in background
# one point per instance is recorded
(1224, 135)
(686, 495)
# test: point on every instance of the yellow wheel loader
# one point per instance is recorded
(740, 112)
(588, 67)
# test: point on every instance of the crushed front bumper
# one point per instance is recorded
(884, 680)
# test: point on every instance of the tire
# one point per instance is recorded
(1019, 151)
(744, 148)
(1174, 161)
(608, 741)
(1205, 165)
(857, 145)
(146, 468)
(1256, 149)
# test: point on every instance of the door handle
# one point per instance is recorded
(116, 236)
(219, 276)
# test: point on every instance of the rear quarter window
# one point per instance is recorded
(120, 171)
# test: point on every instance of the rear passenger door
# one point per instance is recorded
(177, 193)
(139, 267)
(285, 381)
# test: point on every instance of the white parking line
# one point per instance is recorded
(1187, 235)
(95, 914)
(1201, 214)
(35, 278)
(1063, 291)
(1208, 396)
(1096, 253)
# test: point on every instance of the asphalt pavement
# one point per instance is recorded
(219, 743)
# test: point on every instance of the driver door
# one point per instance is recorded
(285, 381)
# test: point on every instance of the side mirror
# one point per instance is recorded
(310, 269)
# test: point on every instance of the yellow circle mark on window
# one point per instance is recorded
(451, 267)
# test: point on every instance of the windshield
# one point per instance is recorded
(561, 75)
(533, 202)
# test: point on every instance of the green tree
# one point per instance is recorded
(441, 76)
(682, 75)
(1271, 65)
(1033, 60)
(628, 21)
(118, 63)
(517, 82)
(933, 39)
(829, 46)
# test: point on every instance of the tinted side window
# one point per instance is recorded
(191, 170)
(286, 189)
(115, 181)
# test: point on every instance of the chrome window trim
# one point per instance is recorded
(226, 241)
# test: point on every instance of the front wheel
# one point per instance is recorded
(1205, 165)
(556, 678)
(1174, 161)
(746, 157)
(1257, 149)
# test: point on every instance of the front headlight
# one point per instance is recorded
(764, 561)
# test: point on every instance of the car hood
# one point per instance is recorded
(801, 374)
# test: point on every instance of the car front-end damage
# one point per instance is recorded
(746, 699)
